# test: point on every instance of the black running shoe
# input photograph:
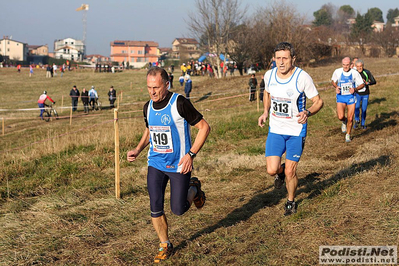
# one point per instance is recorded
(290, 208)
(279, 178)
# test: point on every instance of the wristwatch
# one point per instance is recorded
(192, 154)
(309, 113)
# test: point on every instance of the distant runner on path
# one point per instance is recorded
(362, 95)
(346, 81)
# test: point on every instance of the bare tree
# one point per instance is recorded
(388, 39)
(240, 48)
(213, 22)
(277, 23)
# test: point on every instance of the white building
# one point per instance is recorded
(70, 49)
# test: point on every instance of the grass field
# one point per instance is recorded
(58, 206)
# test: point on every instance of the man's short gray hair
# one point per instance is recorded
(359, 61)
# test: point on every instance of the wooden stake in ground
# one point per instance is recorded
(62, 104)
(70, 117)
(117, 176)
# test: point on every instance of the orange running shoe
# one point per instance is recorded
(164, 252)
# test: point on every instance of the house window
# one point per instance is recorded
(64, 50)
(71, 42)
(139, 59)
(132, 51)
(17, 44)
(66, 42)
(140, 52)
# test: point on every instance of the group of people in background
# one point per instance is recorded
(90, 98)
(51, 70)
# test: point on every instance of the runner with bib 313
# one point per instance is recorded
(284, 101)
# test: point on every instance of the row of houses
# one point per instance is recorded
(137, 53)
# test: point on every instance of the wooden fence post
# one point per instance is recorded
(62, 104)
(70, 117)
(117, 176)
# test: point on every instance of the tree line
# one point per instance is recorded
(224, 27)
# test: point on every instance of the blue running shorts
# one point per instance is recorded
(277, 144)
(346, 99)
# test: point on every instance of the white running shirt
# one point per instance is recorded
(288, 98)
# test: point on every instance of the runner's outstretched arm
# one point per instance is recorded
(145, 140)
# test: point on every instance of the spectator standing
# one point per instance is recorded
(93, 96)
(112, 96)
(183, 69)
(188, 86)
(30, 70)
(171, 79)
(48, 71)
(62, 69)
(85, 100)
(74, 93)
(262, 88)
(55, 69)
(181, 80)
(19, 68)
(210, 70)
(252, 87)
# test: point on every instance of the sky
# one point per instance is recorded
(42, 22)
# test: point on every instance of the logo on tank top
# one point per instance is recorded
(290, 92)
(165, 119)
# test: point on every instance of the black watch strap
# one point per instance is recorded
(192, 154)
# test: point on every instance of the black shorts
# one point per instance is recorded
(179, 185)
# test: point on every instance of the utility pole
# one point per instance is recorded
(84, 8)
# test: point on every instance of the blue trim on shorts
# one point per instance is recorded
(277, 145)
